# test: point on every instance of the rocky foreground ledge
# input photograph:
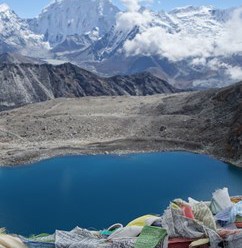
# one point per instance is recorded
(207, 122)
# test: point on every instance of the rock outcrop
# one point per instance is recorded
(29, 83)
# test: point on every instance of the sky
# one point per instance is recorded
(31, 8)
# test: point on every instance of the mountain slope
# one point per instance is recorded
(73, 17)
(27, 83)
(16, 58)
(15, 34)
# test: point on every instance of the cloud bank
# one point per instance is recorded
(214, 39)
(183, 44)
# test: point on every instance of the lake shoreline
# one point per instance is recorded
(28, 158)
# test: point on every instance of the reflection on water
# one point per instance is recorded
(97, 191)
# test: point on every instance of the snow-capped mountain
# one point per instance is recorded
(63, 18)
(111, 53)
(196, 20)
(16, 35)
(189, 46)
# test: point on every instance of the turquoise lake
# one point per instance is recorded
(97, 191)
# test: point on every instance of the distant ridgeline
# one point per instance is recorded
(25, 81)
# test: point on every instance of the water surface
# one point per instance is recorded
(97, 191)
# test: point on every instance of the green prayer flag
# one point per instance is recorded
(150, 237)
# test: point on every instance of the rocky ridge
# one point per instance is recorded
(29, 83)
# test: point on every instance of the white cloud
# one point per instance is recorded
(155, 40)
(199, 61)
(132, 5)
(200, 45)
(216, 64)
(133, 17)
(128, 20)
(234, 72)
(231, 40)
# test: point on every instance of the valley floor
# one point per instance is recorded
(193, 121)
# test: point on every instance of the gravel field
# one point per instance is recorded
(207, 122)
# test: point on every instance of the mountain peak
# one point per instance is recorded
(4, 7)
(53, 3)
(191, 8)
(62, 18)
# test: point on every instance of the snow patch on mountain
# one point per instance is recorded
(15, 33)
(70, 17)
